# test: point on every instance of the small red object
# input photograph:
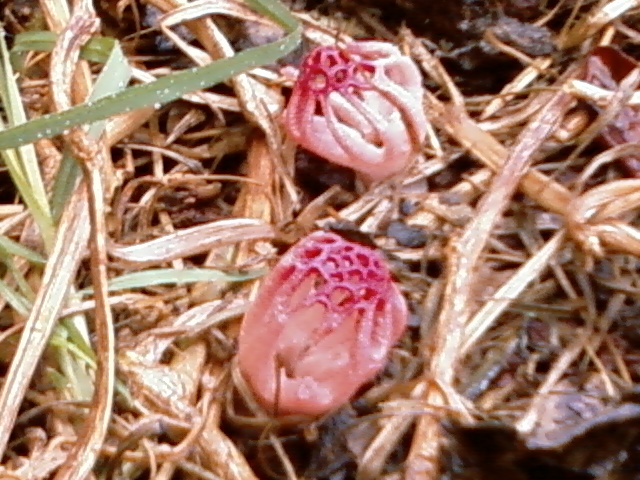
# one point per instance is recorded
(321, 326)
(360, 107)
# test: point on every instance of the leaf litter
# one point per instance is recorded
(513, 237)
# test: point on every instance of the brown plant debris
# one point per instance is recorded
(513, 235)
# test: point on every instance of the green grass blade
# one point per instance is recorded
(170, 276)
(17, 301)
(98, 49)
(22, 162)
(164, 89)
(11, 247)
(115, 74)
(277, 11)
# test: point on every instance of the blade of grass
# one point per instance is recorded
(18, 302)
(11, 247)
(22, 162)
(116, 72)
(21, 282)
(164, 89)
(170, 276)
(96, 49)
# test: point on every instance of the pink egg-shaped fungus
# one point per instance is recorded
(321, 326)
(359, 106)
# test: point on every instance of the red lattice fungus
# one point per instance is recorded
(321, 326)
(359, 106)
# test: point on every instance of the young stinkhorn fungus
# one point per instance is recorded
(321, 326)
(359, 106)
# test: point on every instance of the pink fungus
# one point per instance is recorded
(359, 106)
(321, 326)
